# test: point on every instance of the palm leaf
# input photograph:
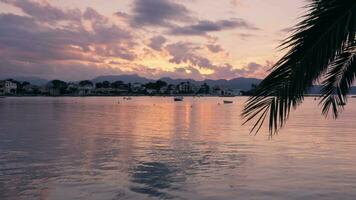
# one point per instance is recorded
(339, 81)
(327, 28)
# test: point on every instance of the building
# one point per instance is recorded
(204, 89)
(137, 87)
(7, 87)
(185, 87)
(85, 89)
(54, 91)
(30, 89)
(2, 88)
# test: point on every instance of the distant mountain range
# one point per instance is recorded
(30, 79)
(126, 78)
(237, 83)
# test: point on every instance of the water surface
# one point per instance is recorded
(155, 148)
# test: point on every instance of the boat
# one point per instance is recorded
(227, 95)
(180, 98)
(228, 102)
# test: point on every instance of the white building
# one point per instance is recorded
(86, 89)
(185, 87)
(137, 87)
(7, 87)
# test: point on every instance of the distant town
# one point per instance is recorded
(11, 87)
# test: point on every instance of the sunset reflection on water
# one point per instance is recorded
(155, 148)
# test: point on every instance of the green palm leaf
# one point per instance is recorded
(327, 29)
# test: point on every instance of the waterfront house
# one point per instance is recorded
(2, 88)
(31, 89)
(151, 91)
(54, 91)
(137, 87)
(8, 87)
(185, 87)
(85, 89)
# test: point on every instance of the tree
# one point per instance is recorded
(85, 82)
(117, 84)
(321, 48)
(99, 85)
(106, 84)
(160, 84)
(250, 92)
(60, 85)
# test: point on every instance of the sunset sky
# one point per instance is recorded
(198, 39)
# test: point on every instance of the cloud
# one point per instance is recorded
(72, 44)
(28, 44)
(205, 26)
(157, 42)
(214, 48)
(158, 13)
(185, 52)
(24, 38)
(94, 16)
(43, 11)
(245, 36)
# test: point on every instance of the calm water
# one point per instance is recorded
(154, 148)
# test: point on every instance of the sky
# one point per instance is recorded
(199, 39)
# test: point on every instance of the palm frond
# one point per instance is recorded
(339, 81)
(327, 28)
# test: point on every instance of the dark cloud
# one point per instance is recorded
(157, 42)
(228, 71)
(204, 27)
(245, 36)
(43, 11)
(94, 16)
(28, 44)
(70, 71)
(23, 38)
(72, 44)
(215, 48)
(158, 13)
(186, 53)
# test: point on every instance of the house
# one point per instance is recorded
(151, 91)
(7, 87)
(72, 88)
(204, 89)
(163, 90)
(29, 89)
(185, 87)
(85, 89)
(172, 89)
(137, 87)
(54, 91)
(2, 88)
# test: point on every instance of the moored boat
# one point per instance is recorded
(228, 102)
(180, 98)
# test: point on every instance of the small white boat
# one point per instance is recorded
(180, 98)
(228, 102)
